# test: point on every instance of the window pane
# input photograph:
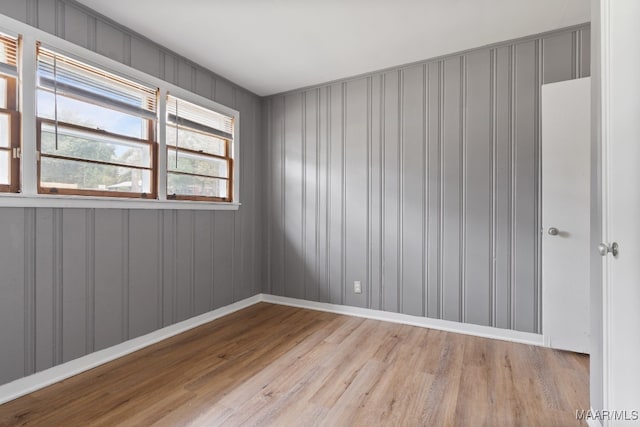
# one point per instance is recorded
(185, 185)
(5, 167)
(72, 174)
(84, 80)
(90, 115)
(180, 109)
(201, 165)
(3, 93)
(5, 130)
(195, 141)
(90, 146)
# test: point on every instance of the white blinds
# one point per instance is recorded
(190, 115)
(8, 55)
(68, 77)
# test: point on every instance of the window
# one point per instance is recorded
(81, 130)
(95, 130)
(199, 152)
(9, 116)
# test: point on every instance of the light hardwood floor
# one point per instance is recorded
(283, 366)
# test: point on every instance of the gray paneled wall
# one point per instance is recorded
(73, 281)
(420, 181)
(79, 280)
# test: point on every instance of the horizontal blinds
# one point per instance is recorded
(8, 55)
(75, 79)
(190, 115)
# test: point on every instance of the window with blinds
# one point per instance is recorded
(9, 116)
(96, 130)
(199, 152)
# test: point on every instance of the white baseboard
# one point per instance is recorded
(424, 322)
(39, 380)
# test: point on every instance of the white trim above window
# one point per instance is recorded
(29, 197)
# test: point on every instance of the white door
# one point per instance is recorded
(566, 118)
(620, 74)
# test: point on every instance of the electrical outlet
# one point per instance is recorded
(357, 287)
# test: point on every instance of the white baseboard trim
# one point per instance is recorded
(41, 379)
(424, 322)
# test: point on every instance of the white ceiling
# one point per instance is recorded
(271, 46)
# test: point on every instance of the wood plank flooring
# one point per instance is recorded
(283, 366)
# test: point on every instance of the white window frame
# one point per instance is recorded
(29, 197)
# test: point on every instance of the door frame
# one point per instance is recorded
(605, 116)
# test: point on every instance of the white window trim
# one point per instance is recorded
(29, 196)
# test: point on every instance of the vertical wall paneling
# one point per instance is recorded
(585, 50)
(240, 220)
(72, 312)
(15, 9)
(452, 201)
(434, 182)
(375, 193)
(204, 83)
(110, 42)
(323, 188)
(145, 57)
(202, 256)
(169, 267)
(170, 72)
(12, 303)
(44, 282)
(269, 193)
(58, 277)
(412, 190)
(186, 76)
(559, 60)
(143, 255)
(539, 76)
(293, 201)
(355, 187)
(90, 276)
(503, 69)
(185, 292)
(125, 270)
(276, 250)
(251, 240)
(222, 259)
(110, 318)
(478, 189)
(32, 12)
(223, 92)
(391, 194)
(29, 291)
(311, 194)
(525, 201)
(428, 183)
(160, 284)
(47, 16)
(336, 193)
(425, 189)
(78, 26)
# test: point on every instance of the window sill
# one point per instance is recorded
(53, 201)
